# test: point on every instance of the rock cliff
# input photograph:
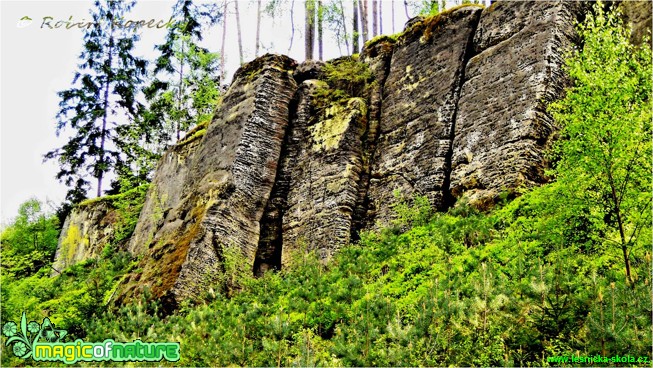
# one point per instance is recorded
(87, 229)
(303, 157)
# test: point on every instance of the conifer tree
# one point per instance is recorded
(102, 98)
(185, 88)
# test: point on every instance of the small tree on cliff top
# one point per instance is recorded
(605, 150)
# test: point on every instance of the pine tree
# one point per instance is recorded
(186, 88)
(309, 27)
(103, 98)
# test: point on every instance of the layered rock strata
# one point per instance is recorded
(418, 110)
(297, 160)
(502, 128)
(225, 189)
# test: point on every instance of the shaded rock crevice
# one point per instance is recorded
(419, 99)
(448, 200)
(270, 245)
(502, 128)
(224, 193)
(302, 157)
(378, 56)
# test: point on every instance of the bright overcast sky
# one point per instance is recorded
(36, 62)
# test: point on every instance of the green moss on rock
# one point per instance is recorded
(425, 27)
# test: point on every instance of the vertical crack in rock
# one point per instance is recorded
(448, 200)
(324, 174)
(317, 186)
(502, 128)
(419, 100)
(377, 56)
(268, 253)
(227, 187)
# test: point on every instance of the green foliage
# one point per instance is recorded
(417, 213)
(184, 92)
(346, 77)
(604, 156)
(461, 288)
(30, 241)
(101, 104)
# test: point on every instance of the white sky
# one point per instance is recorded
(37, 62)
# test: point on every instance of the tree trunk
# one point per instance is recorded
(258, 27)
(616, 207)
(309, 22)
(354, 36)
(240, 39)
(364, 19)
(181, 88)
(103, 134)
(380, 17)
(375, 20)
(320, 45)
(344, 25)
(224, 38)
(292, 24)
(393, 17)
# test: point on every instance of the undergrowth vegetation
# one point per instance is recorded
(564, 269)
(511, 287)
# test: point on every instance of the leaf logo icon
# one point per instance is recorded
(24, 22)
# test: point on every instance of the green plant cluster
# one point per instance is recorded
(30, 242)
(346, 78)
(79, 293)
(511, 287)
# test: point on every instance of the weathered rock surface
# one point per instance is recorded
(317, 186)
(323, 175)
(296, 158)
(419, 103)
(85, 233)
(377, 55)
(226, 189)
(639, 15)
(165, 192)
(502, 128)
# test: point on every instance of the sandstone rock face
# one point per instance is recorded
(301, 158)
(85, 233)
(164, 193)
(317, 187)
(323, 174)
(639, 15)
(377, 55)
(226, 189)
(501, 127)
(420, 96)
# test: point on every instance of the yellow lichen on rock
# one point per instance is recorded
(72, 242)
(328, 133)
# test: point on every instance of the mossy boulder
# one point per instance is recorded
(87, 230)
